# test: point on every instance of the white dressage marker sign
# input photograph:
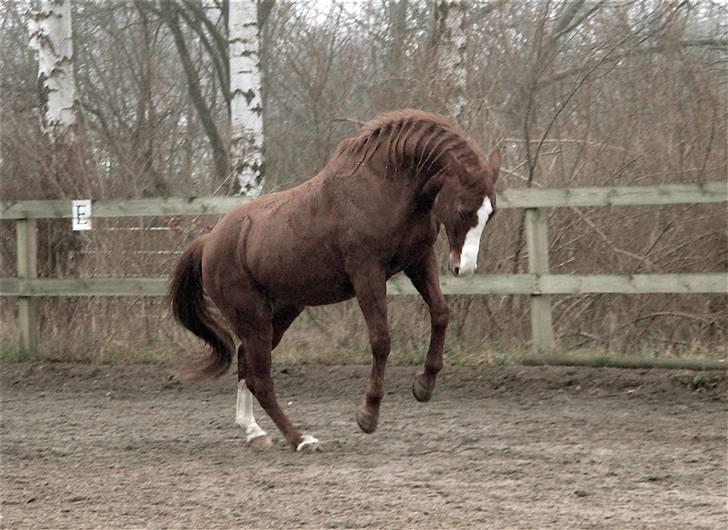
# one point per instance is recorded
(81, 214)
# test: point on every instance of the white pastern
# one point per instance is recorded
(471, 247)
(244, 413)
(307, 440)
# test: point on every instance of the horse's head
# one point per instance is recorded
(464, 206)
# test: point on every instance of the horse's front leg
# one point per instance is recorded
(426, 279)
(370, 287)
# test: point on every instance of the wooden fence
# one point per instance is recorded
(538, 284)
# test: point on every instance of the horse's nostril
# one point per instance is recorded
(456, 271)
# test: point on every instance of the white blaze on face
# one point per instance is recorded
(469, 254)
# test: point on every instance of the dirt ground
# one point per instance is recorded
(102, 447)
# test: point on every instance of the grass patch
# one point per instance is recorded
(13, 354)
(505, 359)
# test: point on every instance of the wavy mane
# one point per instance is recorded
(416, 141)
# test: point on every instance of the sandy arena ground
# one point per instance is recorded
(515, 447)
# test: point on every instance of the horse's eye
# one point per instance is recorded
(465, 214)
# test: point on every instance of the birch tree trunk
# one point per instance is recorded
(246, 105)
(51, 36)
(450, 20)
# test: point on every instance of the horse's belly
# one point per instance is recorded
(304, 279)
(311, 291)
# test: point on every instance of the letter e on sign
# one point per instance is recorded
(81, 215)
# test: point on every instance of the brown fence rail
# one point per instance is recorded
(539, 285)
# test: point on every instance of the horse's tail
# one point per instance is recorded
(191, 308)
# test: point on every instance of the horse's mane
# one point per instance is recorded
(414, 140)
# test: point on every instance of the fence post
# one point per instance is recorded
(542, 331)
(27, 259)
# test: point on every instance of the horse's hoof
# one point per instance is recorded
(308, 444)
(367, 424)
(261, 442)
(421, 391)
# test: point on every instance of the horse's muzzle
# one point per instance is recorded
(457, 268)
(452, 266)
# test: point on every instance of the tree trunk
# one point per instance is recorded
(144, 141)
(450, 20)
(246, 106)
(51, 36)
(170, 12)
(398, 36)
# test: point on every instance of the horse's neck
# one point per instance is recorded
(430, 187)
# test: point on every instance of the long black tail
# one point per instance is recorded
(189, 306)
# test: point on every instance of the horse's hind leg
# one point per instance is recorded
(425, 278)
(254, 435)
(250, 314)
(258, 357)
(254, 326)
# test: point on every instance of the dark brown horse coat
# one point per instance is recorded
(370, 213)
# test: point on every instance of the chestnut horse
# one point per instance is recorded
(374, 210)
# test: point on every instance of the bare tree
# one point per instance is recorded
(246, 102)
(172, 13)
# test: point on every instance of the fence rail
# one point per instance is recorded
(533, 284)
(665, 194)
(538, 284)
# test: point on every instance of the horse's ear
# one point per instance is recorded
(494, 162)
